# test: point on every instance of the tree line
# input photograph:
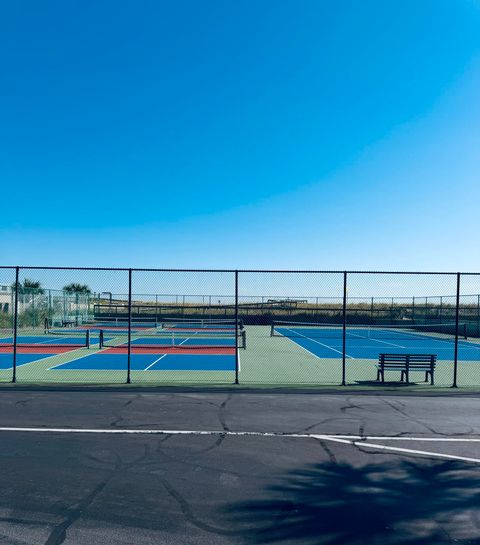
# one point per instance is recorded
(35, 287)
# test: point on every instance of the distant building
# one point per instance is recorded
(5, 298)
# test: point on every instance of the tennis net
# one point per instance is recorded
(155, 340)
(201, 324)
(122, 323)
(50, 338)
(426, 332)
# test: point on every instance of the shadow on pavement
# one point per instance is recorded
(401, 503)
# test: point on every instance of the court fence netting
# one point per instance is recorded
(250, 327)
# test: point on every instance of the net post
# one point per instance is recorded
(129, 347)
(344, 329)
(87, 339)
(236, 328)
(15, 326)
(101, 339)
(457, 314)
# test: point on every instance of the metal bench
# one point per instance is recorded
(69, 323)
(405, 363)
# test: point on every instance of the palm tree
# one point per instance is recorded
(79, 289)
(33, 308)
(29, 286)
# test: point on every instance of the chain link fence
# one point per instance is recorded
(102, 325)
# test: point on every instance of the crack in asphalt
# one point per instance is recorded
(402, 411)
(26, 522)
(194, 520)
(327, 449)
(12, 540)
(221, 413)
(350, 405)
(130, 401)
(189, 514)
(59, 533)
(117, 420)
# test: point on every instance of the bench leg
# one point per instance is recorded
(401, 375)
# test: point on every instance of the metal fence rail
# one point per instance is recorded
(39, 304)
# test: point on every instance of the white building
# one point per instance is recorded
(5, 298)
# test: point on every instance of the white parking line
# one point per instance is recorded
(354, 440)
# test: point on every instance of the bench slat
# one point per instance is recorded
(406, 363)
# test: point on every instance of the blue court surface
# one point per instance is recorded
(39, 340)
(42, 339)
(152, 362)
(185, 341)
(110, 330)
(360, 345)
(199, 328)
(6, 359)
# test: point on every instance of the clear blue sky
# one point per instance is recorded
(287, 134)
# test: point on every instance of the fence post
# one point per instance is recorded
(236, 328)
(15, 325)
(344, 335)
(129, 348)
(478, 315)
(457, 313)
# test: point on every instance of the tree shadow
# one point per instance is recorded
(401, 503)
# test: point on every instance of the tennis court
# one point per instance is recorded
(97, 350)
(366, 342)
(254, 328)
(293, 353)
(116, 360)
(189, 347)
(33, 348)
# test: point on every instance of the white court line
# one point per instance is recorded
(314, 341)
(347, 440)
(157, 360)
(350, 334)
(74, 359)
(164, 355)
(465, 344)
(53, 356)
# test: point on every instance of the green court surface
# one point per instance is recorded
(267, 361)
